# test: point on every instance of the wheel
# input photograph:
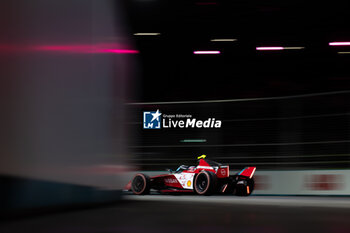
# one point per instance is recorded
(245, 187)
(141, 184)
(205, 183)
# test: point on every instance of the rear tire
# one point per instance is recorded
(141, 184)
(205, 183)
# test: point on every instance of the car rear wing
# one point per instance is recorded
(247, 172)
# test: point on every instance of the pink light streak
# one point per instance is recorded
(206, 52)
(120, 51)
(339, 43)
(71, 48)
(269, 48)
(98, 48)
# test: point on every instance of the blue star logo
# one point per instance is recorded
(151, 120)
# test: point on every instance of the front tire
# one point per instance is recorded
(141, 184)
(205, 183)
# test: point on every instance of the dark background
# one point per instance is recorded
(303, 132)
(170, 71)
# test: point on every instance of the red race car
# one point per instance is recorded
(207, 178)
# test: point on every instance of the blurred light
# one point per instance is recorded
(97, 48)
(269, 48)
(206, 52)
(194, 140)
(343, 52)
(119, 51)
(71, 48)
(278, 48)
(223, 40)
(339, 43)
(294, 47)
(147, 34)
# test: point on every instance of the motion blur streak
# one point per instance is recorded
(147, 34)
(223, 40)
(63, 87)
(120, 51)
(339, 43)
(269, 48)
(99, 48)
(294, 47)
(70, 48)
(206, 52)
(174, 214)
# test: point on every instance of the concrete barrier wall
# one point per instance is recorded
(306, 182)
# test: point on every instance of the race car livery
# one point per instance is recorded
(207, 178)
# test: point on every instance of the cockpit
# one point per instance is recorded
(184, 168)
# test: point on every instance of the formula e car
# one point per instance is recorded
(207, 178)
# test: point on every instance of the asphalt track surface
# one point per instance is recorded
(190, 213)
